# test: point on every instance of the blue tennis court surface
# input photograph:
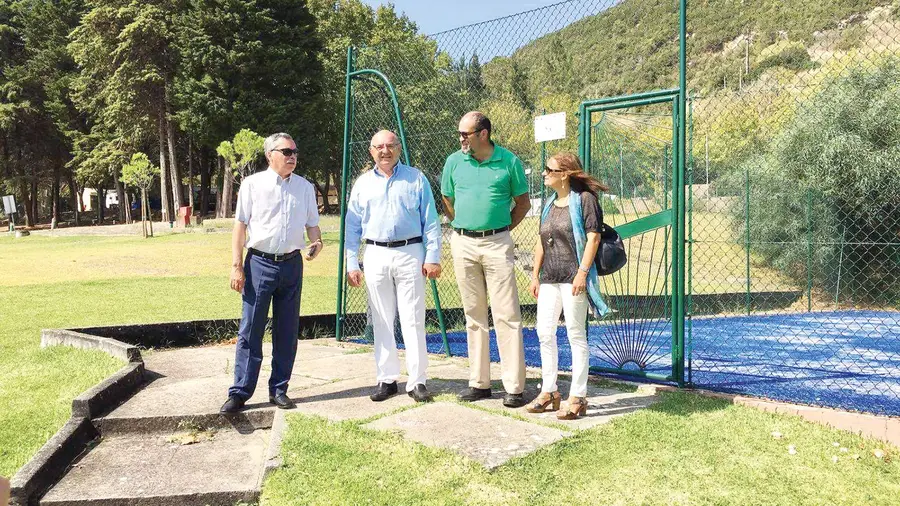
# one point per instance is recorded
(843, 359)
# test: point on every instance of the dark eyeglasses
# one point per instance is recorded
(548, 170)
(287, 151)
(465, 135)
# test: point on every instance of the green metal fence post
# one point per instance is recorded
(666, 173)
(690, 244)
(809, 252)
(682, 113)
(402, 131)
(345, 173)
(747, 233)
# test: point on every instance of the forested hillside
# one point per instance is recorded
(633, 46)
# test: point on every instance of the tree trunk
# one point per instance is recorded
(227, 188)
(320, 191)
(128, 218)
(76, 199)
(177, 199)
(190, 184)
(149, 216)
(120, 193)
(101, 203)
(26, 203)
(217, 180)
(34, 198)
(144, 212)
(163, 173)
(204, 183)
(327, 204)
(54, 198)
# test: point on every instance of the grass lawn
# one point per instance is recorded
(684, 450)
(53, 282)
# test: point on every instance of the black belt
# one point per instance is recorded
(275, 257)
(395, 244)
(480, 233)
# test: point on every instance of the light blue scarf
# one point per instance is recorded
(598, 305)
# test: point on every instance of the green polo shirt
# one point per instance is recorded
(482, 192)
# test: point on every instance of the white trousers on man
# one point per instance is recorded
(553, 298)
(395, 283)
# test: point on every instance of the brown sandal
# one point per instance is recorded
(577, 408)
(545, 399)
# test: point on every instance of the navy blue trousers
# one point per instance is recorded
(279, 284)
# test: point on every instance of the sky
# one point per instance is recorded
(433, 16)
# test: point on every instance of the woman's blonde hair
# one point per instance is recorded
(580, 180)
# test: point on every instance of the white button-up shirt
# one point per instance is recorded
(276, 211)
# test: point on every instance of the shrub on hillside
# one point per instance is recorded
(828, 189)
(787, 54)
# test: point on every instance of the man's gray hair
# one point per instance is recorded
(270, 141)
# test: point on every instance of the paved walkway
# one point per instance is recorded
(168, 444)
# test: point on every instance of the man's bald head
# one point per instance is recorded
(385, 150)
(385, 136)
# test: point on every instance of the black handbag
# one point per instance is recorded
(611, 253)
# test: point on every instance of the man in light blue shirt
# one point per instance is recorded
(392, 210)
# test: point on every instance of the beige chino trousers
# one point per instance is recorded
(485, 267)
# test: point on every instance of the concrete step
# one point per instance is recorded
(187, 468)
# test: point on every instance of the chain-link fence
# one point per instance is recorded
(795, 214)
(792, 180)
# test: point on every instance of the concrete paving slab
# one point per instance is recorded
(214, 360)
(338, 367)
(199, 396)
(458, 369)
(160, 469)
(604, 404)
(485, 437)
(190, 363)
(349, 399)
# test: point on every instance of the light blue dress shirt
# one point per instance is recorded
(395, 208)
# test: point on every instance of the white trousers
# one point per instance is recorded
(553, 298)
(395, 283)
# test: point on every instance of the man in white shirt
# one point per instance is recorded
(274, 207)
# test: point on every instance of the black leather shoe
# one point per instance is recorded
(282, 401)
(474, 394)
(384, 391)
(232, 405)
(514, 400)
(420, 393)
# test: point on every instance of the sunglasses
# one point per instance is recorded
(465, 135)
(287, 151)
(548, 170)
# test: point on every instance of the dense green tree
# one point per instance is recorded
(829, 186)
(248, 64)
(127, 61)
(36, 117)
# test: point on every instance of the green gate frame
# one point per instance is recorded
(345, 174)
(673, 216)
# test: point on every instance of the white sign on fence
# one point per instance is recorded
(550, 127)
(9, 204)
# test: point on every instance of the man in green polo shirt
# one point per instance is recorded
(480, 183)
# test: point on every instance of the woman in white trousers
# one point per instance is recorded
(565, 279)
